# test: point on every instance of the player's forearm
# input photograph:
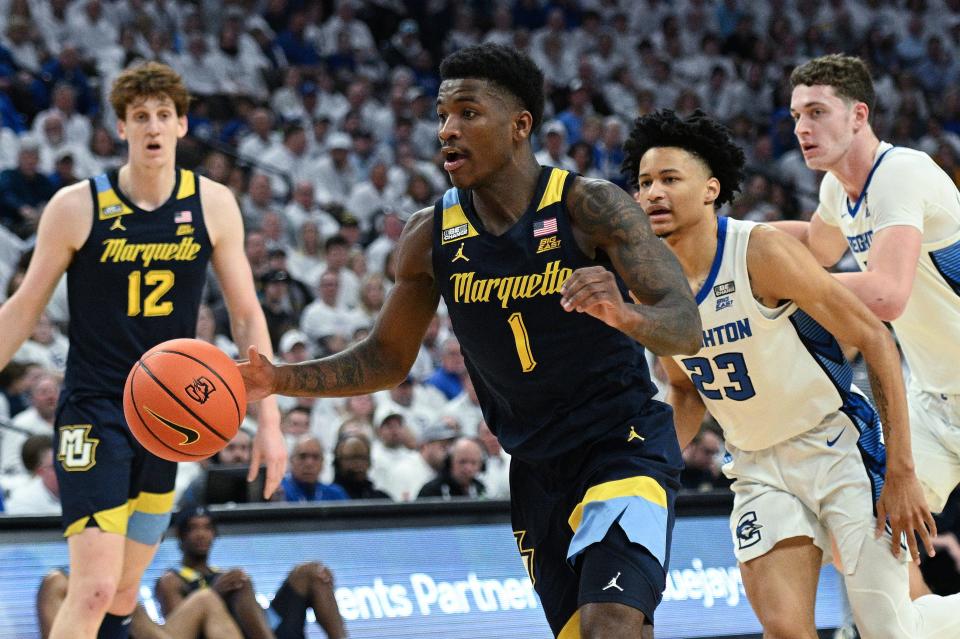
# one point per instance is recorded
(889, 396)
(669, 327)
(799, 230)
(362, 368)
(688, 410)
(879, 293)
(17, 321)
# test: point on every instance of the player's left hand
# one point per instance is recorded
(268, 448)
(902, 501)
(593, 290)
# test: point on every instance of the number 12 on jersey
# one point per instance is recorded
(150, 306)
(703, 375)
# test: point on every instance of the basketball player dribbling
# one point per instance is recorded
(899, 213)
(807, 457)
(535, 265)
(135, 244)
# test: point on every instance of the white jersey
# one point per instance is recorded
(906, 188)
(765, 374)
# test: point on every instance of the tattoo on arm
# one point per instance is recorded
(668, 321)
(881, 402)
(353, 372)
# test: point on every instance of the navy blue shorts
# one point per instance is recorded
(107, 479)
(594, 525)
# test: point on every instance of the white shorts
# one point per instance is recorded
(935, 435)
(819, 484)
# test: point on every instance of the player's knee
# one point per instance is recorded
(610, 621)
(53, 584)
(96, 593)
(785, 627)
(309, 576)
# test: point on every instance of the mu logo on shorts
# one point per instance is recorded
(748, 530)
(77, 450)
(200, 389)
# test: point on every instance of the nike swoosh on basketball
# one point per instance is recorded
(831, 442)
(189, 434)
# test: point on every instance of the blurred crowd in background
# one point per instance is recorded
(319, 116)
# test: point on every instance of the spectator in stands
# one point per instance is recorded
(435, 442)
(257, 201)
(295, 424)
(201, 615)
(391, 454)
(24, 191)
(303, 208)
(351, 468)
(496, 472)
(701, 460)
(235, 454)
(371, 195)
(289, 160)
(465, 409)
(554, 151)
(302, 483)
(76, 126)
(324, 316)
(308, 585)
(459, 475)
(334, 175)
(278, 308)
(40, 495)
(47, 346)
(37, 419)
(448, 377)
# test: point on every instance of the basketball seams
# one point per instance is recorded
(143, 422)
(200, 420)
(226, 384)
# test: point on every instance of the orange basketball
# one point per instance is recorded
(184, 400)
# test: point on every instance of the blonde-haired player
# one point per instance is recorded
(135, 244)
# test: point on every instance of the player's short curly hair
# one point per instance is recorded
(148, 80)
(507, 68)
(848, 75)
(698, 134)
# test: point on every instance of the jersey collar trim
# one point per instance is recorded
(715, 267)
(853, 210)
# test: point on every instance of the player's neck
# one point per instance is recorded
(196, 562)
(503, 200)
(695, 247)
(147, 187)
(852, 170)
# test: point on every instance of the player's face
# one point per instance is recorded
(479, 126)
(675, 189)
(198, 537)
(151, 128)
(824, 124)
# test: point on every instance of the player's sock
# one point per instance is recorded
(115, 627)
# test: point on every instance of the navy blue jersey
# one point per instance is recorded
(136, 282)
(548, 381)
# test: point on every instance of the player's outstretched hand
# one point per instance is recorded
(258, 375)
(902, 501)
(593, 290)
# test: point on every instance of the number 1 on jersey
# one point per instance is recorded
(522, 340)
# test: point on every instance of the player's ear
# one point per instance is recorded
(861, 116)
(523, 125)
(712, 191)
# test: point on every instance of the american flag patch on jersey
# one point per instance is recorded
(545, 227)
(183, 217)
